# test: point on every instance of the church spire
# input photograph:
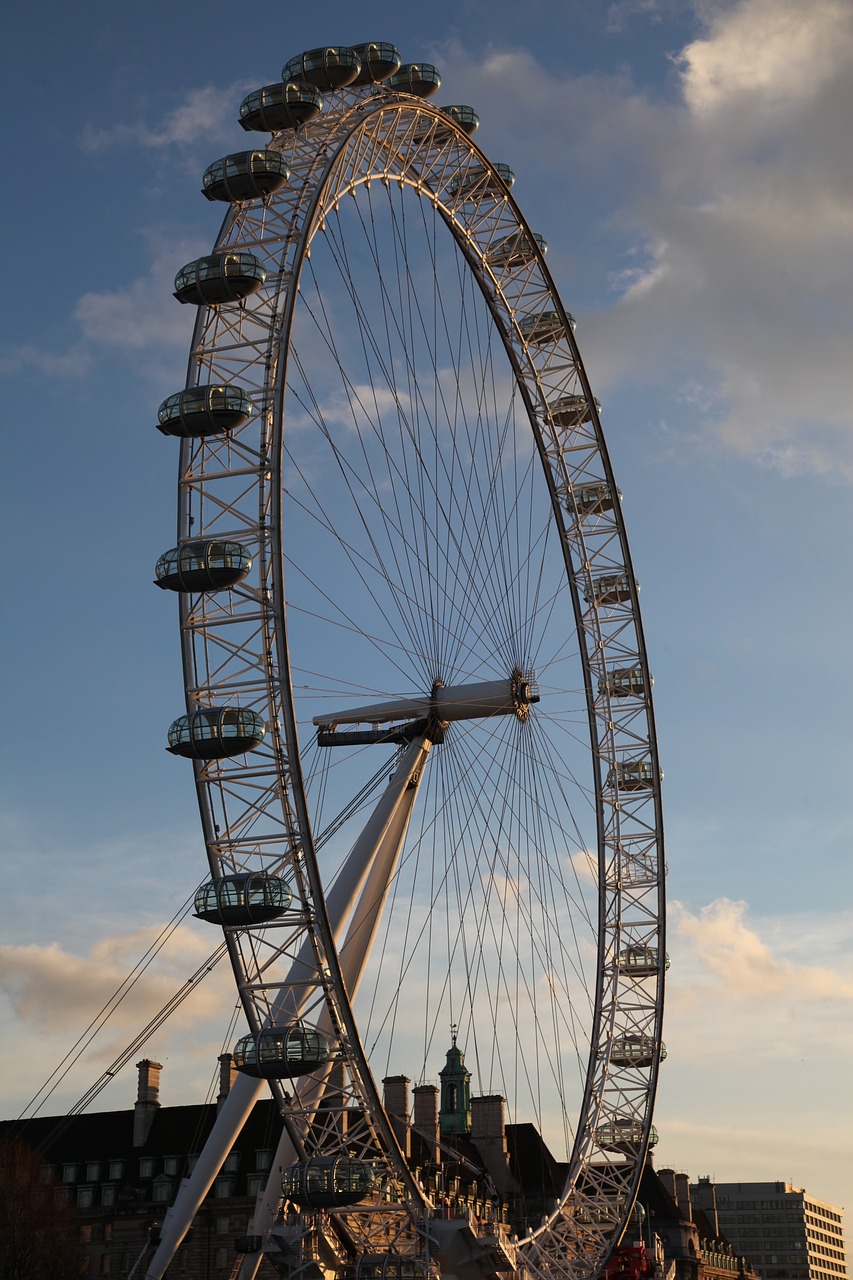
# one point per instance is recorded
(455, 1111)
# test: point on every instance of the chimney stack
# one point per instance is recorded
(396, 1099)
(147, 1100)
(426, 1121)
(488, 1134)
(227, 1072)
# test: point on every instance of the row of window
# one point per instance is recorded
(821, 1211)
(114, 1170)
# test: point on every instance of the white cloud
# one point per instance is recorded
(759, 1034)
(139, 318)
(50, 995)
(732, 199)
(205, 114)
(766, 54)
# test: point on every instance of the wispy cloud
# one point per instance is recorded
(138, 319)
(731, 194)
(205, 114)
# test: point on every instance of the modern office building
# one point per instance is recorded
(786, 1233)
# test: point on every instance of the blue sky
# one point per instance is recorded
(689, 165)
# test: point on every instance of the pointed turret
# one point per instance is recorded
(455, 1113)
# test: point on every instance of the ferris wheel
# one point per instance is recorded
(418, 699)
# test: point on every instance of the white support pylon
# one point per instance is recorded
(245, 1090)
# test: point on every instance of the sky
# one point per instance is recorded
(689, 165)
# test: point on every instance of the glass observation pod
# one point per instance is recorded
(590, 499)
(327, 69)
(571, 411)
(418, 78)
(218, 278)
(280, 106)
(635, 1051)
(641, 962)
(545, 326)
(378, 62)
(204, 411)
(281, 1053)
(245, 175)
(611, 588)
(213, 733)
(516, 250)
(250, 897)
(624, 682)
(484, 181)
(386, 1266)
(465, 117)
(632, 775)
(624, 1135)
(330, 1182)
(207, 565)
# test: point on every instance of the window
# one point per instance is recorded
(108, 1194)
(86, 1234)
(46, 1173)
(223, 1226)
(232, 1162)
(116, 1168)
(146, 1168)
(255, 1183)
(85, 1197)
(69, 1173)
(93, 1171)
(163, 1191)
(170, 1165)
(222, 1257)
(263, 1159)
(105, 1265)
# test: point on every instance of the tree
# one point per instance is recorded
(39, 1233)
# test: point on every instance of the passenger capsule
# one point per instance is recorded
(544, 326)
(386, 1266)
(623, 1135)
(245, 175)
(635, 1051)
(632, 775)
(213, 733)
(327, 69)
(571, 411)
(437, 131)
(418, 78)
(593, 499)
(378, 62)
(206, 565)
(640, 961)
(516, 250)
(465, 117)
(328, 1182)
(247, 898)
(280, 106)
(281, 1053)
(610, 588)
(625, 682)
(221, 277)
(204, 411)
(483, 182)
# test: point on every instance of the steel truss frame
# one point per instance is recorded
(253, 809)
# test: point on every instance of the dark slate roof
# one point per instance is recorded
(107, 1136)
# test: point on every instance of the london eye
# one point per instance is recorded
(418, 702)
